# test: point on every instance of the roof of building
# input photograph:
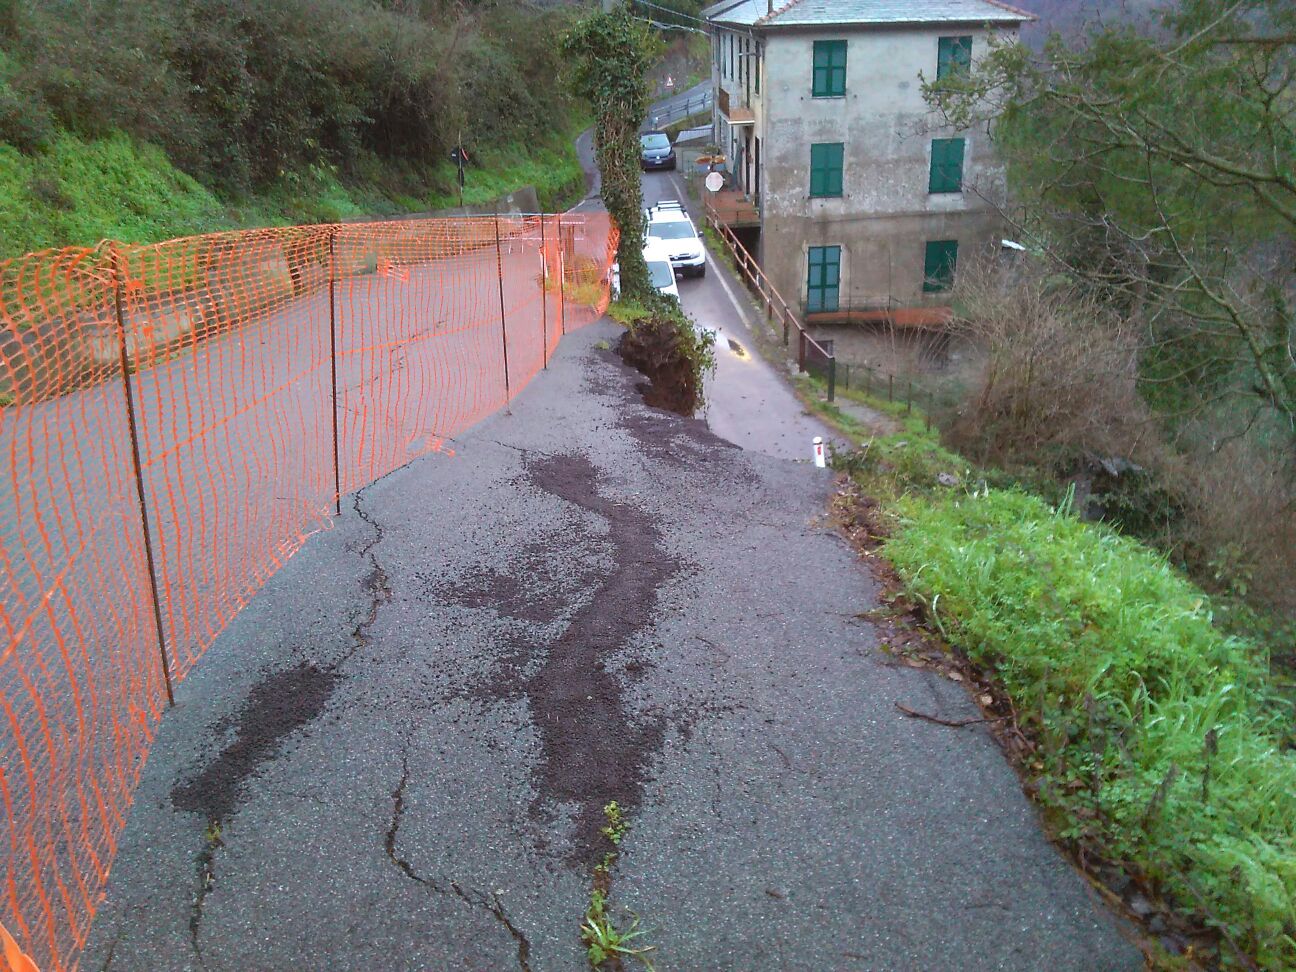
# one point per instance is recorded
(864, 13)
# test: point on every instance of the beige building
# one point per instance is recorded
(863, 202)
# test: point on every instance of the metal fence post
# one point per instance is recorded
(544, 299)
(890, 388)
(337, 466)
(832, 377)
(499, 267)
(118, 303)
(909, 399)
(801, 350)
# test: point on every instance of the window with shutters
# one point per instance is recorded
(953, 56)
(826, 162)
(823, 278)
(829, 69)
(938, 265)
(946, 165)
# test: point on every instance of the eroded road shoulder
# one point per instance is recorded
(592, 602)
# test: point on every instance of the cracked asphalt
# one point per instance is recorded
(395, 757)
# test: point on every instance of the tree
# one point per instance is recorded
(1160, 169)
(610, 54)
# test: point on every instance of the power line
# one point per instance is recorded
(660, 26)
(674, 13)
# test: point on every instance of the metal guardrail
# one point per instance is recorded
(691, 107)
(811, 355)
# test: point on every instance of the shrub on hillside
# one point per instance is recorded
(239, 94)
(1159, 745)
(1060, 395)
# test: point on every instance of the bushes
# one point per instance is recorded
(1060, 396)
(1159, 742)
(243, 95)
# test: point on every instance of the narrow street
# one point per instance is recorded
(747, 401)
(397, 756)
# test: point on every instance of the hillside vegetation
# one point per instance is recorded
(1146, 345)
(143, 119)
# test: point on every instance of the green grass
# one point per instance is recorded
(553, 169)
(83, 191)
(80, 191)
(1161, 742)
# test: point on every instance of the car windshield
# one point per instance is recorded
(661, 273)
(671, 231)
(657, 141)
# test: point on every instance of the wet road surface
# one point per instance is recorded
(394, 757)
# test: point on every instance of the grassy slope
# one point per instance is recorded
(1164, 744)
(81, 191)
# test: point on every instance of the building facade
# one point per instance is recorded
(865, 200)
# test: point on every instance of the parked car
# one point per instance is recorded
(670, 227)
(656, 151)
(660, 272)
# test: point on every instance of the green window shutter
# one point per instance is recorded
(760, 63)
(829, 69)
(953, 56)
(823, 278)
(826, 164)
(938, 265)
(946, 165)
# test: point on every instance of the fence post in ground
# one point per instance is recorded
(785, 326)
(890, 388)
(801, 350)
(337, 474)
(544, 299)
(909, 399)
(499, 267)
(832, 377)
(119, 286)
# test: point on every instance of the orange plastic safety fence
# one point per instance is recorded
(204, 401)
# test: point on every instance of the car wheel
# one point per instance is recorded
(701, 271)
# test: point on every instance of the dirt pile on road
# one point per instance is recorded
(656, 347)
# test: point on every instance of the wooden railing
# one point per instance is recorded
(776, 308)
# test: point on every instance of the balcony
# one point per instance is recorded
(735, 114)
(732, 208)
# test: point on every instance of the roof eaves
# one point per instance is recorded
(1025, 15)
(723, 7)
(774, 15)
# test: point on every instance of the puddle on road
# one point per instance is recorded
(736, 348)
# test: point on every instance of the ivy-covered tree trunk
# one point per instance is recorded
(610, 54)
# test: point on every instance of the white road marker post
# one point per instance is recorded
(819, 452)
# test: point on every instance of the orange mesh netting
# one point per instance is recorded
(175, 421)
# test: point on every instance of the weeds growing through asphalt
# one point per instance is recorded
(606, 944)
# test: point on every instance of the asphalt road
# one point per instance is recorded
(407, 736)
(396, 756)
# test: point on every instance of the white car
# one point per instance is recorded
(660, 272)
(670, 227)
